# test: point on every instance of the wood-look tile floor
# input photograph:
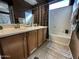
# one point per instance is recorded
(41, 53)
(44, 53)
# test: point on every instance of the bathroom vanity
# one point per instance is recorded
(22, 42)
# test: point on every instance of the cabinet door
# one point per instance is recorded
(44, 34)
(25, 45)
(40, 37)
(32, 41)
(13, 46)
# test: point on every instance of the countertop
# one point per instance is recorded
(12, 31)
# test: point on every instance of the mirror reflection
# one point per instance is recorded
(28, 18)
(8, 15)
(4, 13)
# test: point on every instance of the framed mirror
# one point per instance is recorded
(29, 18)
(6, 16)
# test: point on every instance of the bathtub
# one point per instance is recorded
(63, 39)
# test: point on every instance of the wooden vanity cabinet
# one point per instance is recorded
(25, 45)
(44, 34)
(32, 41)
(40, 37)
(19, 46)
(13, 47)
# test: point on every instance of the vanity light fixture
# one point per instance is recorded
(32, 2)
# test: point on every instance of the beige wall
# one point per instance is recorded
(74, 45)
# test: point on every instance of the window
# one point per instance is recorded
(59, 4)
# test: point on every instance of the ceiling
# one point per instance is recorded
(22, 3)
(32, 2)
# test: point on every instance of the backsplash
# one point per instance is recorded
(11, 25)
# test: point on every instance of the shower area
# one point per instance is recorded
(60, 29)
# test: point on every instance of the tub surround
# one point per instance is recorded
(61, 39)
